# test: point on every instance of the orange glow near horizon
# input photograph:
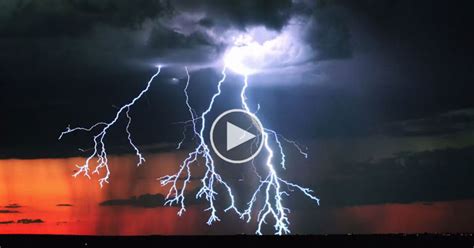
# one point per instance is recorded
(38, 185)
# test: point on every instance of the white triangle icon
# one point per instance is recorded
(236, 136)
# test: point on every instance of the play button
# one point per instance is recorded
(236, 136)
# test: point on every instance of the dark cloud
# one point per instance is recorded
(438, 175)
(71, 17)
(441, 124)
(5, 211)
(206, 22)
(29, 221)
(7, 222)
(175, 47)
(241, 14)
(14, 205)
(329, 33)
(64, 205)
(165, 39)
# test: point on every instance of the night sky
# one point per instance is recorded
(380, 92)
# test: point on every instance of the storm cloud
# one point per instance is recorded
(356, 68)
(69, 18)
(451, 122)
(162, 31)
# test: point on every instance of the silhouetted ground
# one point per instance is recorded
(394, 240)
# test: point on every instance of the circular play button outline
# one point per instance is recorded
(259, 127)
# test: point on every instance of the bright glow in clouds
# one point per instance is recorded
(235, 57)
(262, 51)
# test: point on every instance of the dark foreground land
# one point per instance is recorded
(245, 241)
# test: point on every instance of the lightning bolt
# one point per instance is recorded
(270, 187)
(176, 194)
(99, 148)
(272, 183)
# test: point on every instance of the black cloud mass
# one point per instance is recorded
(71, 17)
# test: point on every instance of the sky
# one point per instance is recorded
(379, 91)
